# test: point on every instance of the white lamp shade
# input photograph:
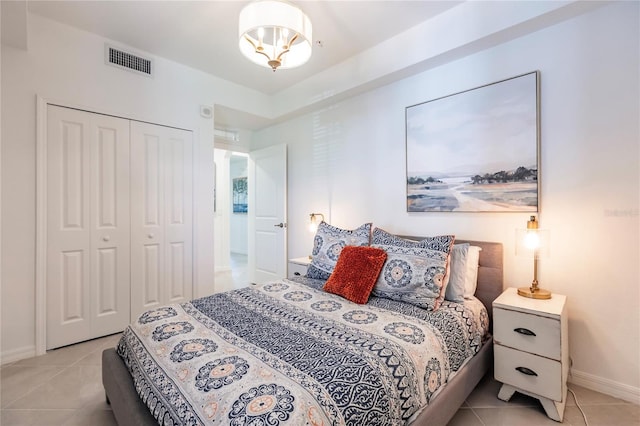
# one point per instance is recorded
(270, 14)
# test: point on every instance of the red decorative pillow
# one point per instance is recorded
(356, 273)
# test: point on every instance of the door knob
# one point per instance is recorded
(105, 238)
(150, 236)
(281, 225)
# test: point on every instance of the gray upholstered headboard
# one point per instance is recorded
(490, 271)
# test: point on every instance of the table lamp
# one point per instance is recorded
(533, 241)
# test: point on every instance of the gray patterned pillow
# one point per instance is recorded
(328, 244)
(415, 271)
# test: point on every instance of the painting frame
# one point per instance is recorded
(239, 191)
(477, 150)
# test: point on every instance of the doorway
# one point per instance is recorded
(231, 222)
(255, 212)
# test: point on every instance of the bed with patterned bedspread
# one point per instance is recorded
(287, 352)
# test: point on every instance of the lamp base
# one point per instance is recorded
(537, 293)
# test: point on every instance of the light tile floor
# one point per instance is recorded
(64, 387)
(235, 278)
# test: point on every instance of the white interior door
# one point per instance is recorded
(87, 225)
(267, 181)
(161, 215)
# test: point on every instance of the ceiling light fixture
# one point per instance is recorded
(275, 34)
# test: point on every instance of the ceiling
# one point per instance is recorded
(203, 34)
(364, 44)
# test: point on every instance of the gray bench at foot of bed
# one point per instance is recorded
(128, 408)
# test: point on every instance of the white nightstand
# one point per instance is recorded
(298, 266)
(531, 349)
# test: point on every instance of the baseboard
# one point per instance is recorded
(606, 386)
(18, 354)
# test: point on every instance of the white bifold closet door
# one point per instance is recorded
(119, 222)
(88, 277)
(161, 216)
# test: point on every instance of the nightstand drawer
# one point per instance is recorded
(527, 332)
(298, 267)
(296, 270)
(541, 376)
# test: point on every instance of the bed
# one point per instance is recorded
(129, 408)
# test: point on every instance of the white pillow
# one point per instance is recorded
(457, 273)
(471, 278)
(463, 272)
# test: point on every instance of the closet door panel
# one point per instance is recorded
(72, 291)
(87, 225)
(68, 228)
(147, 217)
(179, 212)
(110, 224)
(151, 275)
(107, 281)
(150, 180)
(177, 285)
(161, 211)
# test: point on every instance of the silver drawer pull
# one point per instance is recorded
(524, 331)
(527, 371)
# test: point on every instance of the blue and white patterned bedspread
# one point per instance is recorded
(288, 353)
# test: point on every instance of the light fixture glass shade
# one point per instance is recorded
(275, 34)
(314, 221)
(532, 243)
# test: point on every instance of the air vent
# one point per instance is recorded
(226, 134)
(129, 61)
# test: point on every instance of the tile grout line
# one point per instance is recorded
(72, 411)
(477, 416)
(36, 386)
(63, 370)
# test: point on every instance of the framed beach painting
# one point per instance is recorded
(477, 150)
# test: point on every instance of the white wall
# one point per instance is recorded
(348, 162)
(222, 214)
(67, 66)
